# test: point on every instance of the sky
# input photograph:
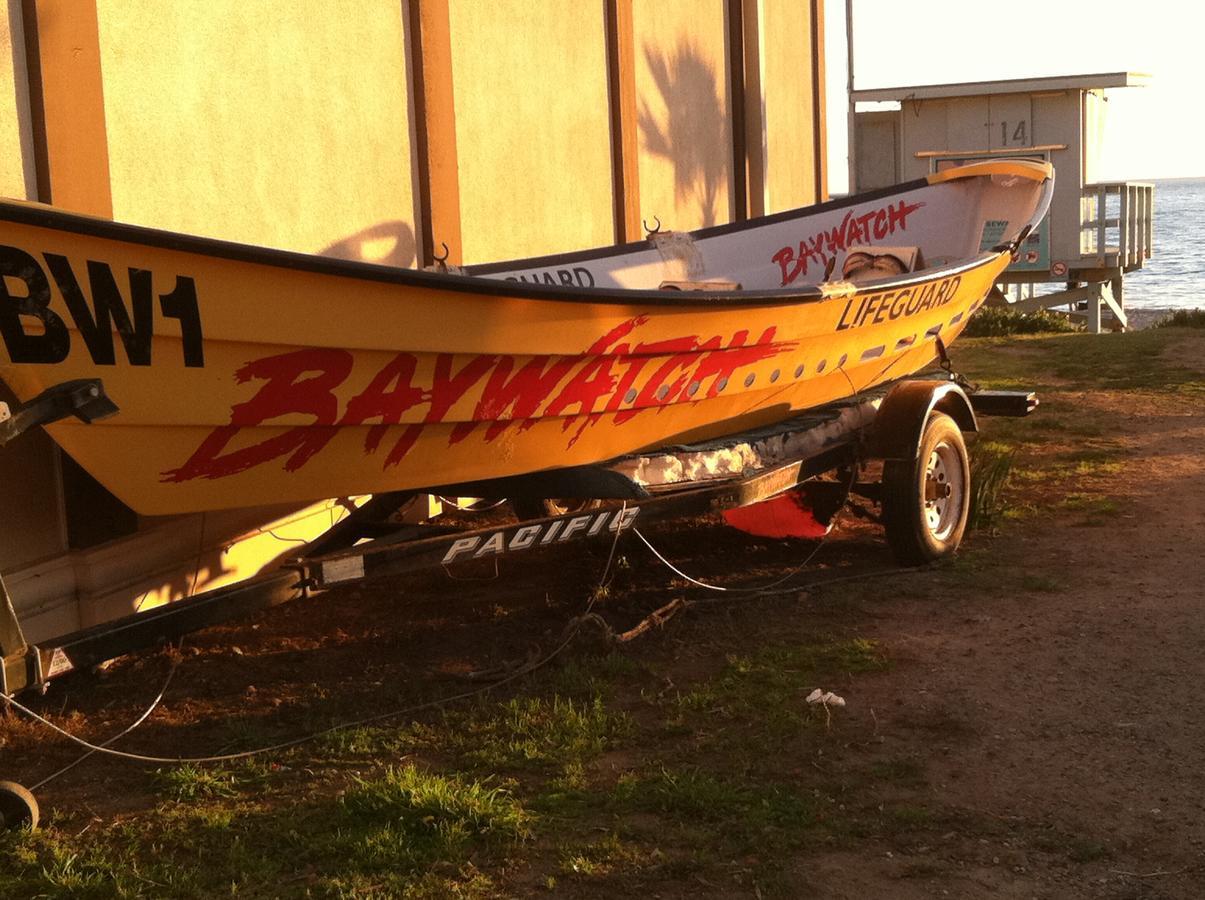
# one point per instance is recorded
(1157, 131)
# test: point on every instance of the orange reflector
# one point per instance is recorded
(787, 515)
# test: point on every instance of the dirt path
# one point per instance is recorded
(1069, 717)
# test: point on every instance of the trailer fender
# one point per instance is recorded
(900, 423)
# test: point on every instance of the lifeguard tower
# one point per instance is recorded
(1095, 232)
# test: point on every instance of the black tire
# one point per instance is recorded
(926, 499)
(18, 807)
(528, 508)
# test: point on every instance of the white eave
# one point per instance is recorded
(1009, 86)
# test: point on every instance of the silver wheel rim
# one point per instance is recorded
(943, 489)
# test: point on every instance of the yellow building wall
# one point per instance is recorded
(787, 82)
(17, 178)
(684, 112)
(532, 127)
(284, 123)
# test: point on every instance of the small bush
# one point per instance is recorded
(1183, 318)
(991, 470)
(998, 321)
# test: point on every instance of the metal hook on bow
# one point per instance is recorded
(442, 261)
(649, 232)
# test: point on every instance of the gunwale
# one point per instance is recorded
(472, 281)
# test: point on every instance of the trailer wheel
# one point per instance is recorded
(926, 499)
(18, 808)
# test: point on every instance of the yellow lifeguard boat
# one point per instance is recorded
(246, 376)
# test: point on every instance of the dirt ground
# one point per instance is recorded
(1041, 711)
(1078, 704)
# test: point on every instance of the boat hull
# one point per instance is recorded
(243, 381)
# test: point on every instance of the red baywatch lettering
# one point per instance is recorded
(286, 391)
(867, 228)
(304, 382)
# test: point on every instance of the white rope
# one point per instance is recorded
(142, 718)
(762, 589)
(669, 565)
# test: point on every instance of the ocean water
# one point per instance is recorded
(1174, 277)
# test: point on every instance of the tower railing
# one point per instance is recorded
(1117, 223)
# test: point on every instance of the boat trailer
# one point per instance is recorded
(914, 426)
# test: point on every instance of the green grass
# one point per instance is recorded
(529, 732)
(592, 675)
(188, 783)
(1093, 454)
(1093, 467)
(408, 818)
(521, 733)
(380, 741)
(49, 864)
(606, 856)
(1137, 360)
(404, 832)
(1041, 464)
(1091, 504)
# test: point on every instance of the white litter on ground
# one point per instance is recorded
(826, 698)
